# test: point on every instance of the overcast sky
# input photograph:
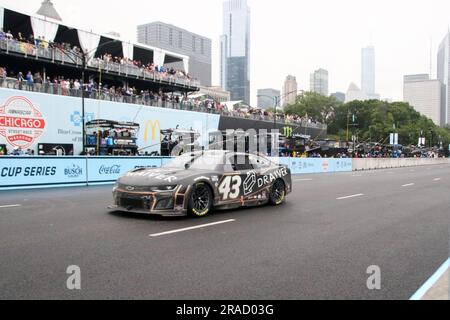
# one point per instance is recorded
(291, 36)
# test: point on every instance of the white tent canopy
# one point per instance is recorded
(89, 41)
(43, 28)
(158, 57)
(128, 50)
(186, 64)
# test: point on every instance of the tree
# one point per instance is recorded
(375, 120)
(314, 105)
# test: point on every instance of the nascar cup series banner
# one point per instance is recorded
(34, 172)
(26, 172)
(27, 119)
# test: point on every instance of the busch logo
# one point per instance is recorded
(109, 170)
(73, 172)
(21, 123)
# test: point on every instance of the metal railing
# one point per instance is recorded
(70, 57)
(145, 99)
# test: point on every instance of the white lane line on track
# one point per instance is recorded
(437, 179)
(357, 175)
(431, 282)
(408, 185)
(10, 206)
(190, 228)
(303, 180)
(351, 197)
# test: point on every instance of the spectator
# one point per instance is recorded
(30, 81)
(2, 77)
(20, 80)
(9, 35)
(38, 81)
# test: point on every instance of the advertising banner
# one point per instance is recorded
(109, 169)
(41, 171)
(28, 119)
(307, 165)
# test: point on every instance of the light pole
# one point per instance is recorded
(277, 101)
(84, 57)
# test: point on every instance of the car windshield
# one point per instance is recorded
(196, 161)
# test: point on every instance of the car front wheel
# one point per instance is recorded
(201, 200)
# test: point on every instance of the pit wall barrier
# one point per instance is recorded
(41, 172)
(313, 165)
(376, 164)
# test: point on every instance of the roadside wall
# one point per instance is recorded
(374, 164)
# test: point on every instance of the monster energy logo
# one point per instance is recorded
(287, 132)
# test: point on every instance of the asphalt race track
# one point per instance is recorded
(316, 246)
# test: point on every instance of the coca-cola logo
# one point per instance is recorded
(325, 165)
(109, 170)
(21, 123)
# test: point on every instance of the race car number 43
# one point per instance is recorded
(230, 188)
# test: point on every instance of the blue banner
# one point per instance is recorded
(41, 171)
(313, 165)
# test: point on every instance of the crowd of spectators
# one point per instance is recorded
(40, 42)
(72, 87)
(149, 67)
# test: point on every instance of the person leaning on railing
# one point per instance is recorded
(3, 75)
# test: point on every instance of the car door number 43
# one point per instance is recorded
(230, 188)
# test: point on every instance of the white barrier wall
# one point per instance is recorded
(374, 164)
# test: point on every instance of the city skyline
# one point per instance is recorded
(403, 43)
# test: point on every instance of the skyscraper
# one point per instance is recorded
(368, 71)
(424, 95)
(235, 50)
(319, 82)
(443, 73)
(290, 89)
(178, 40)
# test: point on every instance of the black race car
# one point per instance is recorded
(197, 183)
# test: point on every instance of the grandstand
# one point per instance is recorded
(39, 44)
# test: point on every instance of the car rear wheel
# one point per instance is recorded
(278, 193)
(201, 200)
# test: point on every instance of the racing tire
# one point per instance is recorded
(277, 193)
(200, 201)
